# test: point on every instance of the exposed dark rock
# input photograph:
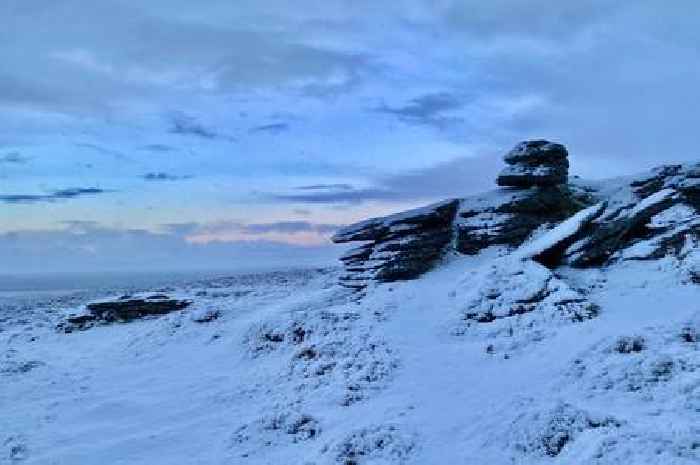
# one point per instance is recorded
(619, 228)
(402, 246)
(628, 345)
(514, 220)
(535, 163)
(205, 315)
(123, 310)
(538, 198)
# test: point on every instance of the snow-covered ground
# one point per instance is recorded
(297, 370)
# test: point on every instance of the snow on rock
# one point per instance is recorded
(561, 234)
(619, 227)
(552, 432)
(382, 444)
(535, 163)
(513, 302)
(403, 246)
(204, 314)
(123, 309)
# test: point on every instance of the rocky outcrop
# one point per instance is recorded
(579, 224)
(511, 217)
(122, 310)
(658, 216)
(619, 227)
(535, 163)
(402, 246)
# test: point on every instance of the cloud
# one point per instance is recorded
(13, 158)
(85, 246)
(119, 53)
(161, 148)
(331, 197)
(102, 150)
(294, 232)
(291, 227)
(274, 128)
(193, 229)
(317, 187)
(186, 125)
(161, 176)
(63, 194)
(80, 225)
(454, 178)
(429, 109)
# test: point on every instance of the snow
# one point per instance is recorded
(653, 199)
(560, 233)
(297, 370)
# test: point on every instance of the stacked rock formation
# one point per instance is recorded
(535, 163)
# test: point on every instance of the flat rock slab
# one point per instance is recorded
(123, 310)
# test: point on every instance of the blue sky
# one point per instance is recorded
(218, 134)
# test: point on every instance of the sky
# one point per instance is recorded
(166, 135)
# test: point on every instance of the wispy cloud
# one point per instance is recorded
(291, 232)
(429, 109)
(287, 227)
(62, 194)
(331, 197)
(161, 176)
(290, 227)
(14, 158)
(453, 178)
(320, 187)
(86, 246)
(274, 128)
(187, 125)
(102, 150)
(158, 148)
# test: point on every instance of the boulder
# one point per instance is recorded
(535, 163)
(122, 310)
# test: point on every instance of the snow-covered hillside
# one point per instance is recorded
(570, 337)
(301, 371)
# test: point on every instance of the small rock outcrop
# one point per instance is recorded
(399, 247)
(535, 163)
(122, 310)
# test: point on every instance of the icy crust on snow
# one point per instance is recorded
(513, 302)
